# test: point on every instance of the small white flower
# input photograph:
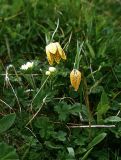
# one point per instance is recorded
(47, 73)
(27, 66)
(29, 90)
(24, 67)
(52, 69)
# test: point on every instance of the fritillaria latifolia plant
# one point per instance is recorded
(55, 53)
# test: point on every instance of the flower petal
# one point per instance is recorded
(57, 57)
(52, 48)
(60, 50)
(50, 58)
(63, 56)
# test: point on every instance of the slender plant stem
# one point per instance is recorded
(86, 98)
(6, 104)
(38, 92)
(35, 114)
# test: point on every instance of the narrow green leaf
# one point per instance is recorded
(112, 119)
(91, 51)
(102, 49)
(52, 145)
(86, 154)
(6, 122)
(97, 140)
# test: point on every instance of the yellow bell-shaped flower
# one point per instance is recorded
(75, 78)
(50, 58)
(61, 51)
(54, 52)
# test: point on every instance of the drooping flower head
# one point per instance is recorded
(75, 78)
(55, 53)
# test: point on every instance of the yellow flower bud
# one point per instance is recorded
(75, 78)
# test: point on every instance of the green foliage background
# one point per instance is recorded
(25, 28)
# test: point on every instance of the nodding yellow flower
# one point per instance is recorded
(60, 51)
(55, 52)
(57, 57)
(75, 78)
(50, 58)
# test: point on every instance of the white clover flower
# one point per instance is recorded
(48, 73)
(24, 67)
(27, 66)
(52, 69)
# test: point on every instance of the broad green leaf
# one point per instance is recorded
(64, 110)
(71, 151)
(113, 119)
(7, 152)
(6, 122)
(60, 135)
(46, 128)
(97, 140)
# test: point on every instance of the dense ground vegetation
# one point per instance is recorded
(40, 115)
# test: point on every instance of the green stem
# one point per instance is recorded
(86, 97)
(39, 91)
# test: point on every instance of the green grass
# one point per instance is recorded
(40, 114)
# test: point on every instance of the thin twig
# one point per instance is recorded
(9, 83)
(31, 132)
(35, 115)
(21, 74)
(15, 95)
(93, 126)
(91, 70)
(6, 104)
(71, 99)
(37, 111)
